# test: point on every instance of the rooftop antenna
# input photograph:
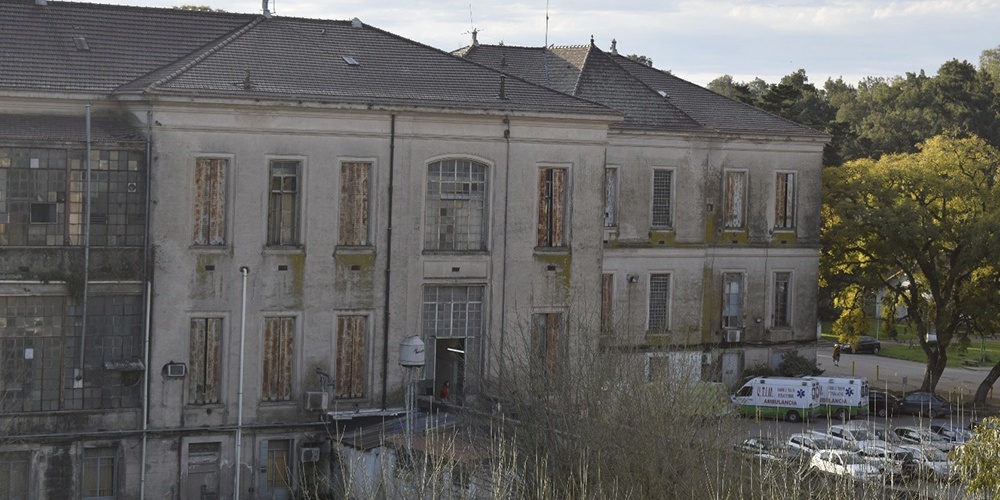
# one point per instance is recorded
(545, 48)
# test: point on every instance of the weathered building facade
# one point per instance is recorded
(711, 218)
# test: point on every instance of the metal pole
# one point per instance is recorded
(78, 380)
(239, 395)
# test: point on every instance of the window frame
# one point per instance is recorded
(552, 207)
(215, 197)
(351, 371)
(729, 320)
(607, 302)
(784, 216)
(612, 183)
(662, 299)
(355, 231)
(669, 206)
(733, 216)
(200, 363)
(278, 235)
(548, 344)
(101, 455)
(779, 320)
(281, 387)
(460, 206)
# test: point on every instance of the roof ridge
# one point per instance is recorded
(201, 57)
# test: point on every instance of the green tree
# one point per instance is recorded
(918, 225)
(976, 461)
(989, 63)
(641, 59)
(725, 85)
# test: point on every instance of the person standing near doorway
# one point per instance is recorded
(445, 394)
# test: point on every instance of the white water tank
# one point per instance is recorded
(411, 351)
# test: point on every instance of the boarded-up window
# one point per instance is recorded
(276, 468)
(662, 198)
(351, 333)
(659, 302)
(277, 369)
(782, 296)
(455, 213)
(610, 197)
(607, 298)
(202, 480)
(546, 342)
(354, 203)
(98, 473)
(784, 201)
(732, 300)
(551, 206)
(283, 204)
(203, 364)
(735, 201)
(210, 201)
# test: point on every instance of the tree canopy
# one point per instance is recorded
(920, 226)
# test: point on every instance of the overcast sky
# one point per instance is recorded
(696, 40)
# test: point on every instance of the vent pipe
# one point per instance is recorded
(267, 13)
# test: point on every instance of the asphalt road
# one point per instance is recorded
(957, 383)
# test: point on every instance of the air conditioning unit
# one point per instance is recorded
(706, 358)
(176, 369)
(731, 335)
(309, 454)
(317, 401)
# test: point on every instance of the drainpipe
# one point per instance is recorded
(388, 267)
(506, 212)
(239, 394)
(149, 304)
(86, 263)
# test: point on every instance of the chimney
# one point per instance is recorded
(503, 86)
(614, 46)
(475, 41)
(267, 13)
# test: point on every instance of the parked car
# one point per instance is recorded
(851, 435)
(952, 433)
(863, 344)
(889, 457)
(803, 445)
(844, 463)
(883, 404)
(924, 437)
(762, 449)
(930, 463)
(925, 403)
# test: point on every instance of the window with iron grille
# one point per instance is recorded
(351, 333)
(784, 201)
(734, 204)
(210, 201)
(659, 302)
(99, 466)
(455, 217)
(551, 207)
(204, 363)
(732, 300)
(610, 197)
(782, 299)
(662, 209)
(283, 204)
(277, 369)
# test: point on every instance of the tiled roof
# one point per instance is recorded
(648, 97)
(134, 50)
(103, 129)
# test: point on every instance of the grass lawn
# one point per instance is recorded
(901, 348)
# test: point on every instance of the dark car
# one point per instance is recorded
(925, 403)
(863, 344)
(883, 404)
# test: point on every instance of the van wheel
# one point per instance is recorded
(841, 414)
(793, 416)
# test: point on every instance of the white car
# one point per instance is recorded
(892, 459)
(844, 463)
(927, 462)
(804, 445)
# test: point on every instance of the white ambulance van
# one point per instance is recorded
(842, 397)
(792, 399)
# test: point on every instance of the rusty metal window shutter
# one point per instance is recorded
(203, 363)
(551, 207)
(735, 204)
(607, 298)
(784, 202)
(354, 203)
(210, 201)
(351, 332)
